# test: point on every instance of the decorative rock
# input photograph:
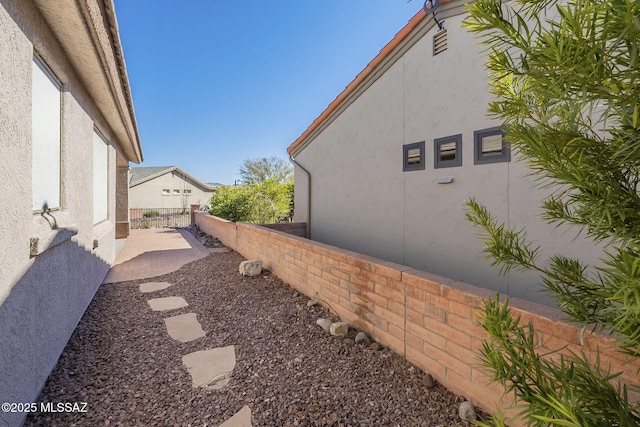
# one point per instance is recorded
(362, 338)
(295, 295)
(375, 346)
(241, 419)
(428, 381)
(325, 324)
(250, 268)
(348, 341)
(467, 412)
(312, 302)
(339, 329)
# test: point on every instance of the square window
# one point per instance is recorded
(166, 192)
(413, 156)
(176, 192)
(186, 191)
(447, 151)
(490, 146)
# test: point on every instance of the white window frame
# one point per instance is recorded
(46, 119)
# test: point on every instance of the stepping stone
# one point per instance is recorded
(211, 368)
(241, 419)
(154, 286)
(184, 328)
(168, 303)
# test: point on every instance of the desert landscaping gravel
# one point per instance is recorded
(289, 371)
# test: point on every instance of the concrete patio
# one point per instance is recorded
(153, 252)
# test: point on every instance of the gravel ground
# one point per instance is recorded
(121, 361)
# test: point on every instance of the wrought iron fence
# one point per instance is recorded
(159, 217)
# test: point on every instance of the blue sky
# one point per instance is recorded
(215, 82)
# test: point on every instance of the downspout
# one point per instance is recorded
(308, 231)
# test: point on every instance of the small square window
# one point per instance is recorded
(413, 156)
(186, 191)
(447, 151)
(490, 146)
(166, 192)
(176, 192)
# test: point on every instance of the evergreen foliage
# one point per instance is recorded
(566, 80)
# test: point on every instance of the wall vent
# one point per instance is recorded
(440, 42)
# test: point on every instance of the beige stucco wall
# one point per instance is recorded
(43, 297)
(149, 193)
(362, 200)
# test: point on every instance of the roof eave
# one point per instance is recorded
(96, 56)
(385, 57)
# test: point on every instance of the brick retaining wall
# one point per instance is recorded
(430, 320)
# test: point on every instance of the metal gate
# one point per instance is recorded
(159, 217)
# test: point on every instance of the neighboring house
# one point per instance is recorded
(166, 187)
(386, 169)
(68, 133)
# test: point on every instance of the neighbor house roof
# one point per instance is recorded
(143, 174)
(87, 31)
(386, 52)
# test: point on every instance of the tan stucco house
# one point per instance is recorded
(386, 169)
(68, 134)
(166, 187)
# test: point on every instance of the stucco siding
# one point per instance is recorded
(362, 200)
(149, 194)
(51, 263)
(352, 206)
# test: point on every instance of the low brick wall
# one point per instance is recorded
(430, 320)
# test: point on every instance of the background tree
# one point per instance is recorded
(258, 171)
(566, 81)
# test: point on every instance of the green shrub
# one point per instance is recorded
(265, 203)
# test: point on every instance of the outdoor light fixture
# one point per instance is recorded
(430, 6)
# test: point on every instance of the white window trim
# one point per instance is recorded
(46, 173)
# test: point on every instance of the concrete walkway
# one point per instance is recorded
(153, 252)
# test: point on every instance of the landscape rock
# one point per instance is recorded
(312, 302)
(250, 268)
(339, 329)
(362, 338)
(467, 412)
(375, 346)
(428, 381)
(130, 370)
(348, 341)
(207, 240)
(325, 324)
